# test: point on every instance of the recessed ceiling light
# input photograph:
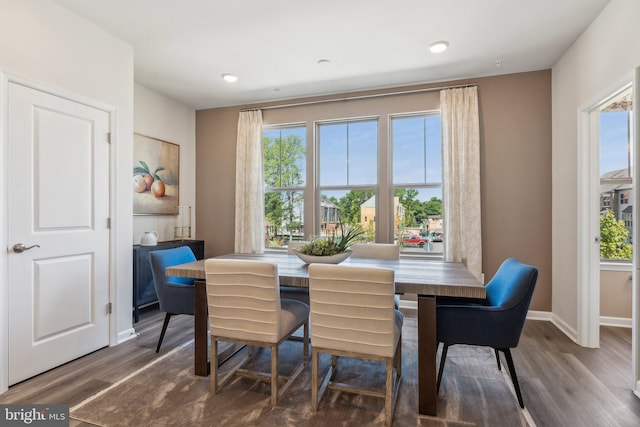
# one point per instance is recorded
(438, 47)
(231, 78)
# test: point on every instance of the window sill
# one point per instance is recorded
(616, 266)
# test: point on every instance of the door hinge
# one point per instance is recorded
(109, 223)
(110, 308)
(109, 137)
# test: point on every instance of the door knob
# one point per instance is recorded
(19, 247)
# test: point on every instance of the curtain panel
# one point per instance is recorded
(249, 226)
(461, 177)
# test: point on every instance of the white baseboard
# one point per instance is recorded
(539, 315)
(564, 327)
(127, 335)
(620, 322)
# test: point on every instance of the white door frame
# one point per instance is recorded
(5, 79)
(635, 313)
(588, 250)
(588, 322)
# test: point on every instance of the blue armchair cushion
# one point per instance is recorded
(175, 294)
(496, 321)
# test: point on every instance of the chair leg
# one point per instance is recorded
(305, 342)
(514, 377)
(314, 380)
(397, 358)
(214, 366)
(388, 397)
(164, 329)
(443, 358)
(498, 358)
(274, 374)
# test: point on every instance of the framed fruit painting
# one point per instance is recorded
(156, 176)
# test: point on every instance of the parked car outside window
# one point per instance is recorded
(415, 240)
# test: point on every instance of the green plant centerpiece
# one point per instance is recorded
(330, 249)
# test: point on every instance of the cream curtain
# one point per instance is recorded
(461, 177)
(249, 184)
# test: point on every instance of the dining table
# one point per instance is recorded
(427, 278)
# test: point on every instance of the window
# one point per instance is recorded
(348, 174)
(284, 174)
(346, 157)
(417, 182)
(624, 198)
(616, 186)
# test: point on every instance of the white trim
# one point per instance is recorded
(619, 322)
(635, 303)
(588, 277)
(565, 328)
(127, 335)
(616, 266)
(4, 278)
(587, 250)
(539, 315)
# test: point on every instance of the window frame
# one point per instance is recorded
(284, 189)
(384, 187)
(426, 185)
(318, 189)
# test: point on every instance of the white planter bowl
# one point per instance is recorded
(329, 259)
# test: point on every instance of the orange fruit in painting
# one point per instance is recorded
(157, 188)
(148, 179)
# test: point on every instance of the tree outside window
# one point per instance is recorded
(614, 237)
(284, 158)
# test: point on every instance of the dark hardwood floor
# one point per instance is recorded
(563, 384)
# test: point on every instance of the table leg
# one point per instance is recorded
(201, 356)
(427, 347)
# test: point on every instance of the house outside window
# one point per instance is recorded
(347, 172)
(624, 198)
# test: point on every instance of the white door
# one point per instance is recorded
(58, 199)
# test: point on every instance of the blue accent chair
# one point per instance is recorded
(175, 294)
(495, 322)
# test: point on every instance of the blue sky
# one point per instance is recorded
(613, 141)
(409, 154)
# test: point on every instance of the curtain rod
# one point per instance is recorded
(352, 98)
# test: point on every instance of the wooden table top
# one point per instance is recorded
(412, 275)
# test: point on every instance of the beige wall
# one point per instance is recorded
(515, 117)
(599, 62)
(615, 294)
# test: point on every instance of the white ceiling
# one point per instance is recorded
(182, 47)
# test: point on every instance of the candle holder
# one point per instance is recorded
(183, 223)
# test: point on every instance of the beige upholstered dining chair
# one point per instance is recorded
(291, 292)
(245, 308)
(377, 251)
(353, 315)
